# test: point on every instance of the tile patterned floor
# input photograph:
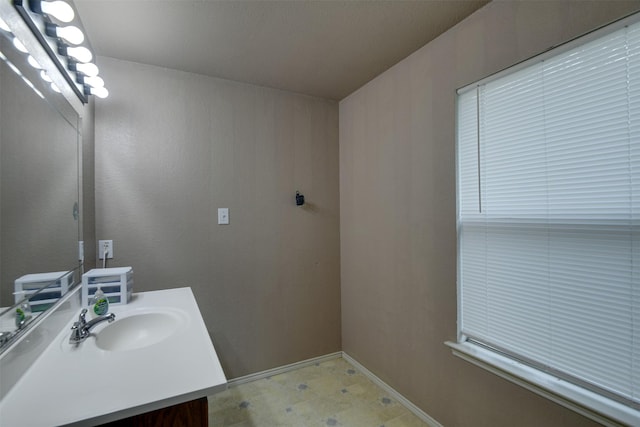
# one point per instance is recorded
(331, 393)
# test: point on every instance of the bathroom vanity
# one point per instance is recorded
(154, 363)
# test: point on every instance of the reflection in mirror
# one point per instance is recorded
(39, 192)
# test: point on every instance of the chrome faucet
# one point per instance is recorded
(5, 337)
(82, 329)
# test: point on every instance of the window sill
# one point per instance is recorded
(592, 405)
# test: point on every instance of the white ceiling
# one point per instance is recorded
(317, 47)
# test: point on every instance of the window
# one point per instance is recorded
(549, 223)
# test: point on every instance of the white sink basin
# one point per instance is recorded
(164, 327)
(141, 329)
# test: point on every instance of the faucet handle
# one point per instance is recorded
(81, 318)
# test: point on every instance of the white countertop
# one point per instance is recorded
(85, 385)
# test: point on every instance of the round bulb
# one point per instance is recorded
(70, 34)
(45, 76)
(4, 26)
(100, 92)
(94, 81)
(32, 61)
(81, 53)
(89, 69)
(60, 10)
(18, 44)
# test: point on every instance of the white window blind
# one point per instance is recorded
(549, 215)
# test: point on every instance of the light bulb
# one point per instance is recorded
(45, 76)
(55, 88)
(89, 69)
(70, 34)
(18, 44)
(94, 81)
(60, 10)
(100, 92)
(32, 61)
(81, 53)
(4, 26)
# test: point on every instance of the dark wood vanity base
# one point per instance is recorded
(189, 414)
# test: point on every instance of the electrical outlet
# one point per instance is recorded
(105, 246)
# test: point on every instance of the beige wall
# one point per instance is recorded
(397, 213)
(173, 147)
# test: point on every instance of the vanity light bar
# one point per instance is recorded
(64, 44)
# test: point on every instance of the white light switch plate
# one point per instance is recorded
(223, 215)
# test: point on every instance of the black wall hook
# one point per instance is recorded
(299, 199)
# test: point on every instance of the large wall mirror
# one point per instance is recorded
(40, 225)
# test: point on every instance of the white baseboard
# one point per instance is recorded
(396, 395)
(282, 369)
(386, 387)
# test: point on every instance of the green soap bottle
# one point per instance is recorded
(23, 311)
(100, 303)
